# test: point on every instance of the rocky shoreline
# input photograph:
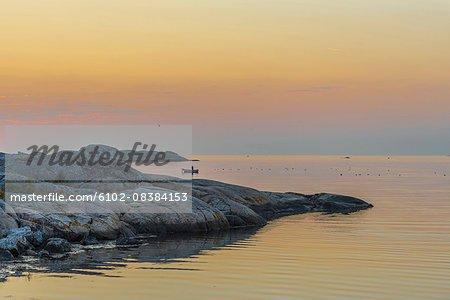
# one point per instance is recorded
(39, 230)
(216, 206)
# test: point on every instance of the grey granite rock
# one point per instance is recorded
(43, 253)
(57, 245)
(16, 244)
(25, 231)
(38, 238)
(89, 240)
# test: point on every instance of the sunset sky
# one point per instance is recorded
(251, 76)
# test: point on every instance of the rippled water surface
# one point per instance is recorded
(398, 249)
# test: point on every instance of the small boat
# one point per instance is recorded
(190, 171)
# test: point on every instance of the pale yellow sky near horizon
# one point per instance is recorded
(278, 66)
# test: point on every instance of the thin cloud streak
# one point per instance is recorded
(330, 87)
(315, 89)
(302, 91)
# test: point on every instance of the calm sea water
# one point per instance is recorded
(398, 249)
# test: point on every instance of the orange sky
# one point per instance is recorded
(264, 68)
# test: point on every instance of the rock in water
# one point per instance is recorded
(89, 240)
(30, 252)
(57, 245)
(332, 203)
(43, 253)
